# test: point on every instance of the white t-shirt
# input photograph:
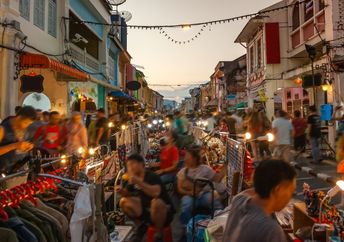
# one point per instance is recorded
(211, 124)
(283, 127)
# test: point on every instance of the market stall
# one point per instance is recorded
(73, 195)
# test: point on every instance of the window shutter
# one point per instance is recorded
(52, 17)
(39, 7)
(24, 9)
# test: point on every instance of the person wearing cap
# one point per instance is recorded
(76, 134)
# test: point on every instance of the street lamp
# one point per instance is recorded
(312, 52)
(325, 87)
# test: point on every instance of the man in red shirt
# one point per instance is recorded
(50, 137)
(169, 158)
(300, 126)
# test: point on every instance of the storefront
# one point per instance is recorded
(121, 103)
(83, 97)
(292, 99)
(44, 82)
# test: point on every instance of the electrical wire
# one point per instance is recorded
(76, 65)
(212, 22)
(335, 39)
(4, 24)
(12, 48)
(40, 51)
(332, 68)
(3, 33)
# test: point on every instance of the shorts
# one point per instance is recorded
(145, 216)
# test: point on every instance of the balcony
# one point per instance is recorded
(111, 68)
(307, 32)
(82, 58)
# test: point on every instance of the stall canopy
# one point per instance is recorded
(241, 105)
(121, 95)
(65, 72)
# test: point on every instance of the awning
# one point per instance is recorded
(120, 94)
(212, 103)
(104, 84)
(241, 105)
(29, 60)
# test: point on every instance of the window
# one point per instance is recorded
(251, 59)
(289, 94)
(304, 93)
(38, 14)
(296, 16)
(308, 9)
(92, 44)
(24, 9)
(321, 4)
(259, 53)
(52, 18)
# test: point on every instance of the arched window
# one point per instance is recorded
(308, 9)
(296, 16)
(38, 101)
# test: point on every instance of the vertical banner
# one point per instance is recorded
(272, 41)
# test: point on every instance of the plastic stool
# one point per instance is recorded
(167, 234)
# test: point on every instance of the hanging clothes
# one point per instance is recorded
(8, 235)
(82, 211)
(54, 223)
(56, 214)
(22, 232)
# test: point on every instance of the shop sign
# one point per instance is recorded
(262, 96)
(31, 83)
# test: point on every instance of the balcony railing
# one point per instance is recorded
(307, 31)
(111, 68)
(84, 59)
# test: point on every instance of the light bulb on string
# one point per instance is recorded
(186, 27)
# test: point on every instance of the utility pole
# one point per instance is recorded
(312, 52)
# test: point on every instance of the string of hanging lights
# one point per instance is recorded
(169, 37)
(184, 26)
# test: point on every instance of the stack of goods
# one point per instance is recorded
(285, 217)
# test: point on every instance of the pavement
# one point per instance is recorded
(319, 176)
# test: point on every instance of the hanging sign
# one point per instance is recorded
(133, 85)
(31, 83)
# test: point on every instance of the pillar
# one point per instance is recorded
(8, 85)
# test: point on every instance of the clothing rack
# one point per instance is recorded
(62, 179)
(20, 173)
(120, 173)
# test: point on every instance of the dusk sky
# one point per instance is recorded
(169, 63)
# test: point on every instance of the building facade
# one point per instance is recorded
(54, 61)
(265, 38)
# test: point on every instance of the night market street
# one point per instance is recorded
(171, 121)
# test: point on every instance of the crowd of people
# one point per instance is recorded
(289, 131)
(51, 134)
(144, 195)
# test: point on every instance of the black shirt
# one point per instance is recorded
(314, 121)
(152, 179)
(102, 123)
